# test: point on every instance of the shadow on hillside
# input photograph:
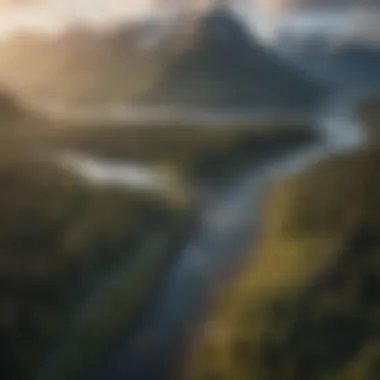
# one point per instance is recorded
(62, 237)
(307, 307)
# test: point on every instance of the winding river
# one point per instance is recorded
(227, 225)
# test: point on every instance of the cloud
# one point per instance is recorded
(53, 16)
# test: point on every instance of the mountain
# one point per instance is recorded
(89, 65)
(225, 66)
(193, 60)
(357, 64)
(309, 53)
(350, 64)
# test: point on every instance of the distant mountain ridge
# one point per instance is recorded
(89, 66)
(194, 61)
(348, 64)
(226, 67)
(357, 63)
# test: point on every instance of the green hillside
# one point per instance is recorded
(306, 305)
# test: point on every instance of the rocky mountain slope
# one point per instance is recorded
(357, 64)
(226, 67)
(351, 64)
(195, 60)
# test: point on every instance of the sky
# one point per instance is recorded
(52, 16)
(340, 21)
(264, 16)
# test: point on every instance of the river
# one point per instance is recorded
(227, 226)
